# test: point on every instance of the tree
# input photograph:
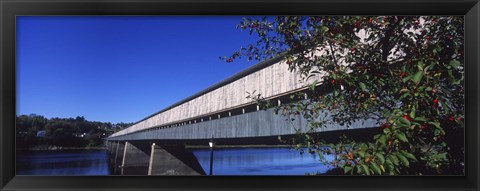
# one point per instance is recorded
(407, 72)
(65, 132)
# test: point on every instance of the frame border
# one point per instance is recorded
(11, 8)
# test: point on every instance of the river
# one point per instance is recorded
(259, 161)
(227, 161)
(68, 162)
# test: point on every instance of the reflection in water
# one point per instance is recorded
(260, 161)
(75, 162)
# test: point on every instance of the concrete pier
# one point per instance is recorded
(173, 160)
(150, 158)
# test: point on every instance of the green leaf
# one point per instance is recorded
(362, 86)
(383, 140)
(435, 123)
(408, 155)
(375, 168)
(390, 165)
(413, 126)
(324, 28)
(346, 169)
(442, 155)
(454, 63)
(361, 154)
(367, 170)
(394, 160)
(386, 131)
(404, 160)
(359, 169)
(404, 95)
(381, 82)
(456, 82)
(402, 137)
(312, 86)
(423, 119)
(412, 114)
(380, 158)
(417, 77)
(406, 78)
(445, 106)
(420, 65)
(404, 122)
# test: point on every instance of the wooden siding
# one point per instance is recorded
(269, 82)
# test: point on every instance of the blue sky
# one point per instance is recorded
(120, 68)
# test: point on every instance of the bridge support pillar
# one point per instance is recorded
(134, 161)
(173, 160)
(147, 158)
(115, 153)
(118, 157)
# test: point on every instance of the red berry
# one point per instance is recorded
(459, 118)
(370, 21)
(333, 81)
(357, 24)
(435, 103)
(406, 117)
(451, 119)
(403, 74)
(350, 155)
(385, 126)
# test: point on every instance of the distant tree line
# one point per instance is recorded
(34, 130)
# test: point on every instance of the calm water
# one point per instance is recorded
(75, 162)
(230, 161)
(260, 161)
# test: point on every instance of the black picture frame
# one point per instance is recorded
(11, 8)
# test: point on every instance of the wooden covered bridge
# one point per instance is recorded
(156, 143)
